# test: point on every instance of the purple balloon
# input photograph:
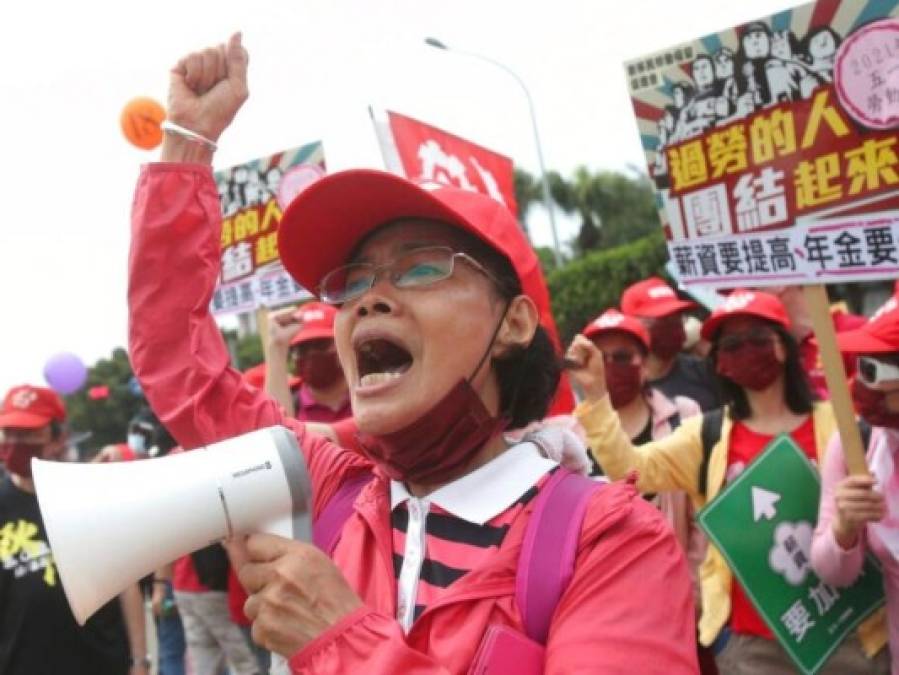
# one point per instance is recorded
(65, 373)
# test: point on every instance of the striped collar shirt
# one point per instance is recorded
(437, 539)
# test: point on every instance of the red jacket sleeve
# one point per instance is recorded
(176, 349)
(629, 606)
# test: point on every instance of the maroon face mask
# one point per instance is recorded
(17, 456)
(872, 406)
(319, 369)
(667, 337)
(439, 444)
(623, 383)
(751, 366)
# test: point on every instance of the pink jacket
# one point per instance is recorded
(628, 607)
(840, 567)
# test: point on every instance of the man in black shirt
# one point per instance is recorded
(668, 369)
(38, 633)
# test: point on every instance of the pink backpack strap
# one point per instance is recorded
(326, 529)
(550, 545)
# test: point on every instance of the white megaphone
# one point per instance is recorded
(111, 524)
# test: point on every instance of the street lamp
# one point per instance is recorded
(547, 200)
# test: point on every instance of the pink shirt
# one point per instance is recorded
(310, 410)
(840, 567)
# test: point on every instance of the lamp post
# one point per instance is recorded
(544, 181)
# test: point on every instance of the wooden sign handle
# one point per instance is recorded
(837, 382)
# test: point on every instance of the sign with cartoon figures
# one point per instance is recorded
(253, 197)
(774, 149)
(762, 523)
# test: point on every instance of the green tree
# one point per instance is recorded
(588, 285)
(106, 418)
(613, 208)
(527, 192)
(246, 351)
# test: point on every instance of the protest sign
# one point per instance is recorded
(762, 523)
(253, 197)
(770, 125)
(775, 158)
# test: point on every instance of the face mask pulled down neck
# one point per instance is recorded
(438, 446)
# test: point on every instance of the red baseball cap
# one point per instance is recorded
(746, 303)
(879, 335)
(612, 321)
(652, 298)
(325, 223)
(316, 322)
(31, 407)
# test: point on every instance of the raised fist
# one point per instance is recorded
(207, 88)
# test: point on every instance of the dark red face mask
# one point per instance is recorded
(319, 369)
(667, 337)
(18, 455)
(623, 383)
(438, 445)
(871, 405)
(751, 365)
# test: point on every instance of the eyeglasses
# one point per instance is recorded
(874, 371)
(621, 357)
(419, 268)
(758, 337)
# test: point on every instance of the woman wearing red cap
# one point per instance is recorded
(759, 369)
(861, 513)
(305, 336)
(646, 414)
(438, 334)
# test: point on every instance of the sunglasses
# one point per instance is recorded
(874, 371)
(757, 337)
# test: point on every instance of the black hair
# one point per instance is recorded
(797, 390)
(56, 429)
(528, 376)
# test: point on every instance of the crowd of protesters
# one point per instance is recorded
(487, 532)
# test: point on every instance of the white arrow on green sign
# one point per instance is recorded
(762, 523)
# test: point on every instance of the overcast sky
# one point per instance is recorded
(68, 68)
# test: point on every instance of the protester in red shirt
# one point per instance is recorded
(438, 335)
(668, 368)
(305, 336)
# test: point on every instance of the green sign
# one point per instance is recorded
(762, 523)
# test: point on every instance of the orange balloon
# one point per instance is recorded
(140, 122)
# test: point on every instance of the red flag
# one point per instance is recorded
(429, 153)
